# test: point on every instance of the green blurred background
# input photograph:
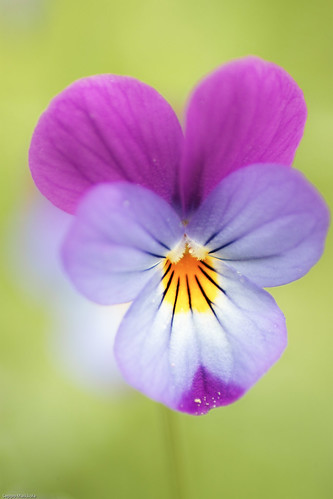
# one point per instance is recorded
(60, 441)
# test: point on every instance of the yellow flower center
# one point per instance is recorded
(190, 282)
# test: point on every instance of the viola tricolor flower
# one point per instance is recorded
(189, 226)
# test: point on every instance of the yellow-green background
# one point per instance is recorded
(58, 441)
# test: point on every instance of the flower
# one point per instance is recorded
(189, 227)
(81, 332)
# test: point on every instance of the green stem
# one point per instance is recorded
(171, 438)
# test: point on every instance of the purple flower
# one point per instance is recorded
(190, 227)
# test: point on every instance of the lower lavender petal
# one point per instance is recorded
(120, 234)
(266, 221)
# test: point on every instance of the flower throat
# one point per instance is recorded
(190, 283)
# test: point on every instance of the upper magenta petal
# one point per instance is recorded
(248, 111)
(105, 128)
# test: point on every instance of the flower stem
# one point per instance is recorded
(174, 459)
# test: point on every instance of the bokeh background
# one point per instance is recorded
(66, 434)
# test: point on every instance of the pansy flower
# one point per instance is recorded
(189, 226)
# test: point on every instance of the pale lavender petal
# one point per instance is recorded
(36, 233)
(248, 111)
(106, 128)
(266, 221)
(121, 233)
(82, 340)
(81, 333)
(193, 358)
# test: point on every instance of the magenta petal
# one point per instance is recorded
(105, 128)
(248, 111)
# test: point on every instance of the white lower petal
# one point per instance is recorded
(193, 356)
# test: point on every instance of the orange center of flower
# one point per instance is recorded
(190, 283)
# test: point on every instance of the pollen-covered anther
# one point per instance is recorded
(177, 252)
(187, 245)
(196, 250)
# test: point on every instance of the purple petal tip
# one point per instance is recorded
(208, 392)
